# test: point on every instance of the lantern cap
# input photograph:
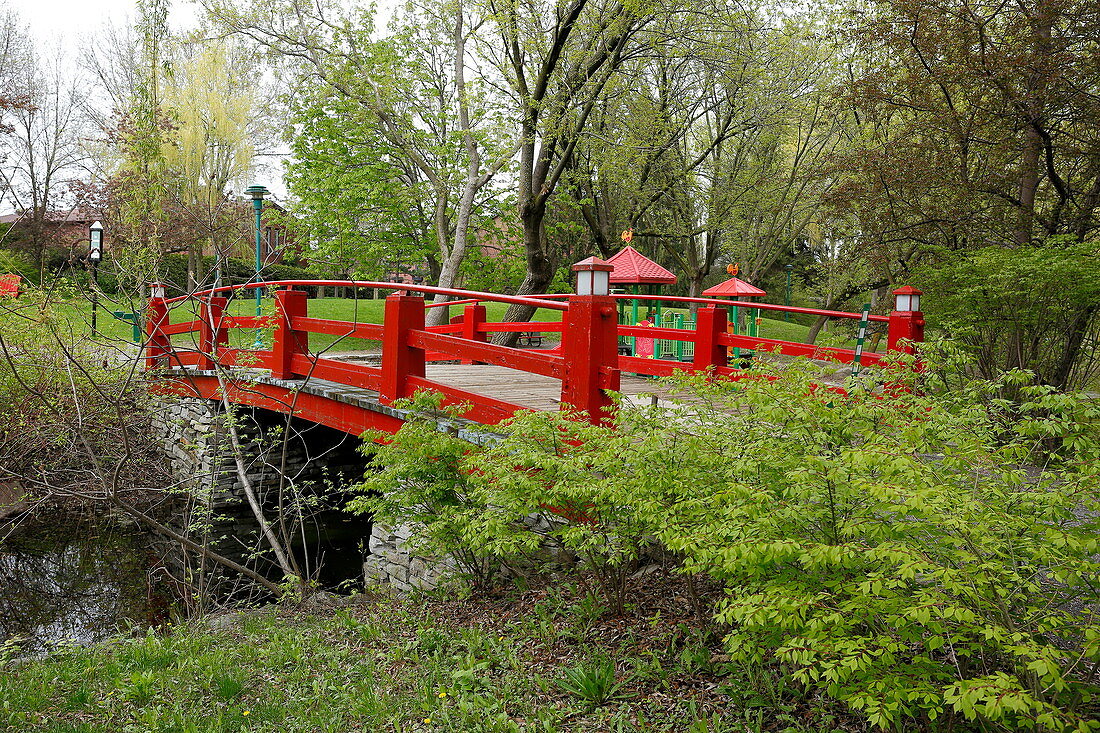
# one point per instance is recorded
(593, 264)
(96, 226)
(908, 290)
(257, 191)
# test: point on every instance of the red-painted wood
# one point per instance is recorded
(353, 375)
(710, 325)
(586, 361)
(289, 305)
(472, 320)
(526, 327)
(845, 356)
(652, 367)
(173, 329)
(212, 332)
(348, 418)
(452, 347)
(157, 342)
(904, 325)
(400, 360)
(591, 343)
(369, 331)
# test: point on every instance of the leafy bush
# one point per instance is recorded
(418, 478)
(17, 263)
(928, 556)
(1029, 308)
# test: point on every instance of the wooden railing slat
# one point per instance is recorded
(534, 362)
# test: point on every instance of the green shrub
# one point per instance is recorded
(416, 477)
(924, 551)
(1027, 307)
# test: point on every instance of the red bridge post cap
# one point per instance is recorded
(591, 264)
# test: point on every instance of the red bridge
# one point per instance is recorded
(457, 359)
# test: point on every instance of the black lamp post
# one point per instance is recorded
(95, 254)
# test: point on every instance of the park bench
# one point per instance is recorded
(9, 286)
(530, 338)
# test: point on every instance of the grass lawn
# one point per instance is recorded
(493, 663)
(76, 314)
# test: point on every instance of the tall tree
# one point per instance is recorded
(557, 58)
(413, 89)
(212, 102)
(976, 123)
(49, 130)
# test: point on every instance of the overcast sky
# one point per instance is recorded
(71, 20)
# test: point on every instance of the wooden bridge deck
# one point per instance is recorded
(354, 409)
(527, 390)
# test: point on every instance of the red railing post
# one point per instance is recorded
(710, 323)
(590, 348)
(212, 333)
(473, 316)
(906, 321)
(404, 313)
(156, 318)
(289, 304)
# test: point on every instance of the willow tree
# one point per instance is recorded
(212, 101)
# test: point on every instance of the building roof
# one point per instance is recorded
(734, 288)
(631, 266)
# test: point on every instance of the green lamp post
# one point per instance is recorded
(787, 299)
(258, 193)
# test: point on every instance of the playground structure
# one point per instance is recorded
(449, 359)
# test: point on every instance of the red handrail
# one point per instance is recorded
(586, 362)
(472, 295)
(740, 304)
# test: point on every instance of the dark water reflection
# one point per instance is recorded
(70, 580)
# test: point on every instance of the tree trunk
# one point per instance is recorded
(815, 329)
(540, 271)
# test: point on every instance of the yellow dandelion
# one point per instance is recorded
(245, 712)
(427, 720)
(443, 694)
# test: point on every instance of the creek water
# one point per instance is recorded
(67, 579)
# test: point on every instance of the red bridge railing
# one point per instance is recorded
(586, 362)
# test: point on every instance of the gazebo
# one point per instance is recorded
(736, 289)
(634, 269)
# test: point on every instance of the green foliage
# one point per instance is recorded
(17, 263)
(1018, 308)
(919, 555)
(419, 479)
(354, 203)
(594, 683)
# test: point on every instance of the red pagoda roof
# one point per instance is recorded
(631, 266)
(734, 288)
